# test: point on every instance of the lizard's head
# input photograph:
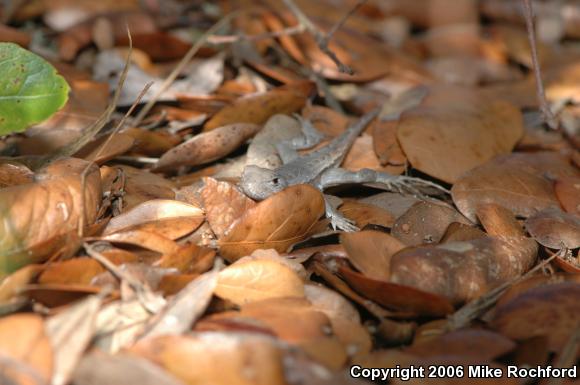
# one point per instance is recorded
(259, 183)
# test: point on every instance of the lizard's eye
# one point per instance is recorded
(275, 180)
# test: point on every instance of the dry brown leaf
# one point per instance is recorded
(568, 193)
(385, 143)
(249, 280)
(326, 120)
(361, 155)
(550, 311)
(482, 345)
(77, 271)
(509, 186)
(344, 318)
(458, 232)
(38, 217)
(462, 271)
(14, 173)
(27, 356)
(96, 150)
(70, 333)
(397, 296)
(499, 221)
(177, 218)
(185, 308)
(425, 222)
(371, 251)
(293, 320)
(120, 369)
(152, 143)
(189, 258)
(218, 358)
(144, 239)
(456, 129)
(555, 229)
(11, 287)
(223, 203)
(142, 186)
(257, 109)
(207, 146)
(327, 351)
(366, 214)
(275, 223)
(55, 295)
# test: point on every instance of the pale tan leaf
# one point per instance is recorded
(253, 280)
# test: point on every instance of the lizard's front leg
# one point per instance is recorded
(339, 176)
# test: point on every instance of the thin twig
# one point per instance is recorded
(95, 127)
(323, 39)
(544, 106)
(475, 308)
(181, 65)
(228, 39)
(568, 355)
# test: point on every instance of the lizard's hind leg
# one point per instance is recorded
(310, 137)
(399, 183)
(337, 220)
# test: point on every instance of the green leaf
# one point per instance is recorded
(30, 89)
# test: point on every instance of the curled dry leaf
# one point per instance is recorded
(250, 280)
(258, 108)
(38, 217)
(70, 333)
(482, 345)
(120, 369)
(218, 358)
(152, 143)
(456, 129)
(94, 151)
(176, 218)
(11, 287)
(207, 146)
(555, 229)
(142, 186)
(385, 143)
(522, 191)
(366, 214)
(14, 173)
(499, 221)
(463, 271)
(275, 223)
(396, 296)
(223, 204)
(371, 251)
(343, 316)
(361, 155)
(425, 222)
(293, 320)
(568, 193)
(26, 352)
(550, 311)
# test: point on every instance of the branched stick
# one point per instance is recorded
(323, 39)
(181, 65)
(544, 106)
(462, 317)
(228, 39)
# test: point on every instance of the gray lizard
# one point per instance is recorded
(320, 169)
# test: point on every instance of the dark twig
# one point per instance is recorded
(228, 39)
(323, 39)
(181, 65)
(544, 106)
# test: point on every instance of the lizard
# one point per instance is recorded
(320, 168)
